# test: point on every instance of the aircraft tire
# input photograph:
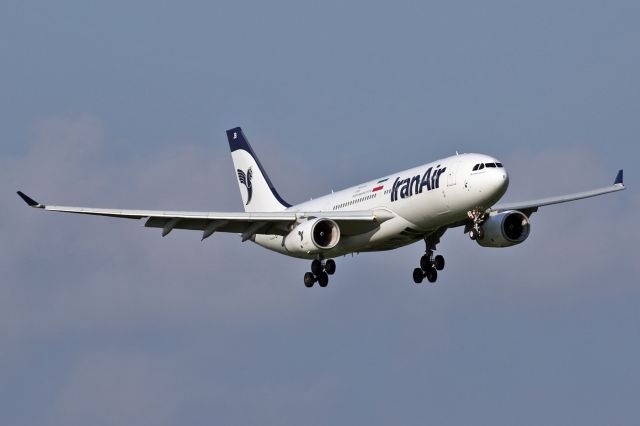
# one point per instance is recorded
(309, 279)
(330, 267)
(432, 275)
(316, 267)
(438, 262)
(425, 263)
(323, 279)
(418, 275)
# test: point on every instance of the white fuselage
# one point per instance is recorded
(422, 199)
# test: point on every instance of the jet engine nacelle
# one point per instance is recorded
(505, 229)
(313, 236)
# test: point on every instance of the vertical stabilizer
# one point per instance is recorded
(258, 193)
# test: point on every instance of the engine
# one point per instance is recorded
(313, 236)
(505, 229)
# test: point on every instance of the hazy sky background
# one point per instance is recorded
(125, 104)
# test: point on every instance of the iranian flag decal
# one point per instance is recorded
(379, 187)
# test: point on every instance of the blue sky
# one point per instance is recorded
(125, 104)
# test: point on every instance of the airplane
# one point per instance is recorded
(385, 213)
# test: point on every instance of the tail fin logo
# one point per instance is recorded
(245, 179)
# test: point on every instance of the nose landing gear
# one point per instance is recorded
(476, 217)
(429, 264)
(320, 271)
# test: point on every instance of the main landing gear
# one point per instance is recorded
(320, 271)
(429, 264)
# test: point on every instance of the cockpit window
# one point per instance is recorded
(476, 167)
(481, 167)
(490, 164)
(499, 164)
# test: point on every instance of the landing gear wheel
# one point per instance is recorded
(473, 234)
(323, 279)
(430, 264)
(309, 279)
(418, 275)
(330, 267)
(425, 262)
(480, 233)
(316, 267)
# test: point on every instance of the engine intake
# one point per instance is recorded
(505, 229)
(313, 236)
(325, 234)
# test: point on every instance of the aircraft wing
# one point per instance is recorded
(529, 207)
(245, 223)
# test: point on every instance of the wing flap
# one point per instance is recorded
(209, 226)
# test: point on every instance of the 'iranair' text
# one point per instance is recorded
(416, 184)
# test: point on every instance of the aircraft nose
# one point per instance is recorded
(501, 181)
